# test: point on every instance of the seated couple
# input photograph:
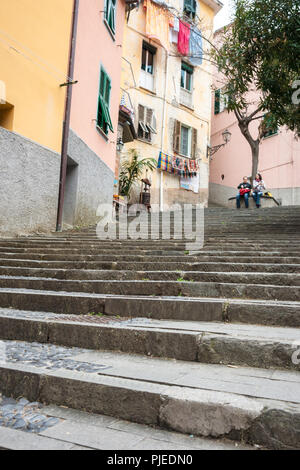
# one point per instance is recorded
(246, 190)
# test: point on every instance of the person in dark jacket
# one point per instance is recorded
(244, 191)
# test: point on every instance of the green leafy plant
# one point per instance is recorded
(132, 169)
(259, 51)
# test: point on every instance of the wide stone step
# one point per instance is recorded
(213, 343)
(159, 288)
(254, 405)
(207, 250)
(281, 279)
(78, 430)
(79, 256)
(176, 308)
(140, 266)
(30, 263)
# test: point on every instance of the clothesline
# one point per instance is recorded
(179, 17)
(184, 167)
(159, 20)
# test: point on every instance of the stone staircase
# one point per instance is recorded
(203, 343)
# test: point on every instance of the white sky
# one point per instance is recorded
(223, 17)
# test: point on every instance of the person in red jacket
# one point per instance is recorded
(244, 191)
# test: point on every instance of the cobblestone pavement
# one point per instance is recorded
(24, 416)
(47, 356)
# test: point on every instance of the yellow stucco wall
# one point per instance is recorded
(199, 117)
(34, 52)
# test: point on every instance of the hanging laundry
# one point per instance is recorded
(184, 38)
(165, 163)
(194, 167)
(190, 184)
(176, 24)
(196, 47)
(158, 22)
(178, 165)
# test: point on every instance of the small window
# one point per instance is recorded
(185, 140)
(189, 8)
(146, 123)
(185, 144)
(110, 14)
(148, 53)
(270, 126)
(221, 101)
(103, 116)
(186, 76)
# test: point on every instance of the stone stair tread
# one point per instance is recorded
(220, 300)
(210, 343)
(109, 367)
(236, 330)
(12, 439)
(159, 438)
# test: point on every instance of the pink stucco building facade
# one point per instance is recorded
(279, 161)
(94, 109)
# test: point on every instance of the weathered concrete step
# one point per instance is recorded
(133, 258)
(254, 405)
(59, 255)
(103, 432)
(94, 244)
(159, 288)
(78, 430)
(281, 279)
(140, 266)
(11, 439)
(85, 251)
(211, 343)
(174, 308)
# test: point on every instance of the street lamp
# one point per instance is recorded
(226, 137)
(120, 145)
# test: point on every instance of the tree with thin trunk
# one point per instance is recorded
(258, 57)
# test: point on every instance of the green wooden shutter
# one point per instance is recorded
(217, 101)
(103, 115)
(190, 7)
(110, 14)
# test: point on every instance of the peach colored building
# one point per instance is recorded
(95, 109)
(279, 161)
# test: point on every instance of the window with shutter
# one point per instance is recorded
(103, 115)
(270, 126)
(189, 8)
(186, 76)
(110, 14)
(221, 101)
(217, 101)
(185, 139)
(146, 126)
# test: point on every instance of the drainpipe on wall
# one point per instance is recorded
(66, 124)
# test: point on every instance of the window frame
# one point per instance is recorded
(110, 8)
(271, 132)
(190, 8)
(220, 103)
(189, 141)
(104, 122)
(186, 70)
(149, 50)
(145, 128)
